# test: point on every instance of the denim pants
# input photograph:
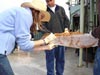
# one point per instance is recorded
(5, 68)
(55, 57)
(96, 69)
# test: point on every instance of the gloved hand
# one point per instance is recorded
(90, 32)
(49, 38)
(66, 30)
(51, 46)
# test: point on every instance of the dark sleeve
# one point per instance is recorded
(66, 19)
(96, 32)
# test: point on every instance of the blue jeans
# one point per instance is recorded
(96, 69)
(57, 55)
(5, 68)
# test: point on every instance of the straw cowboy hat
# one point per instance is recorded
(38, 5)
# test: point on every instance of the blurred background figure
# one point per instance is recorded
(57, 24)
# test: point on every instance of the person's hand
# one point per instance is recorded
(51, 46)
(49, 38)
(90, 32)
(66, 30)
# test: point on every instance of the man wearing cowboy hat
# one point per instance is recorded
(15, 24)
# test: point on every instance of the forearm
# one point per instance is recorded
(39, 42)
(41, 48)
(44, 44)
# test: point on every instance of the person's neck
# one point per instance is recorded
(52, 5)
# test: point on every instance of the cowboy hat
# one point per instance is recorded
(38, 5)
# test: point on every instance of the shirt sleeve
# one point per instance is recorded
(96, 32)
(23, 22)
(65, 18)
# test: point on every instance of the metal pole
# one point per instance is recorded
(71, 25)
(96, 14)
(81, 30)
(91, 15)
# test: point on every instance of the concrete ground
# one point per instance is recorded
(34, 63)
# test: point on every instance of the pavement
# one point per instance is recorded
(33, 63)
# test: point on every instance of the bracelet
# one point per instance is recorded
(44, 41)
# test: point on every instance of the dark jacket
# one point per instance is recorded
(59, 20)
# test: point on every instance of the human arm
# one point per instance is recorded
(96, 32)
(65, 19)
(44, 47)
(23, 22)
(45, 40)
